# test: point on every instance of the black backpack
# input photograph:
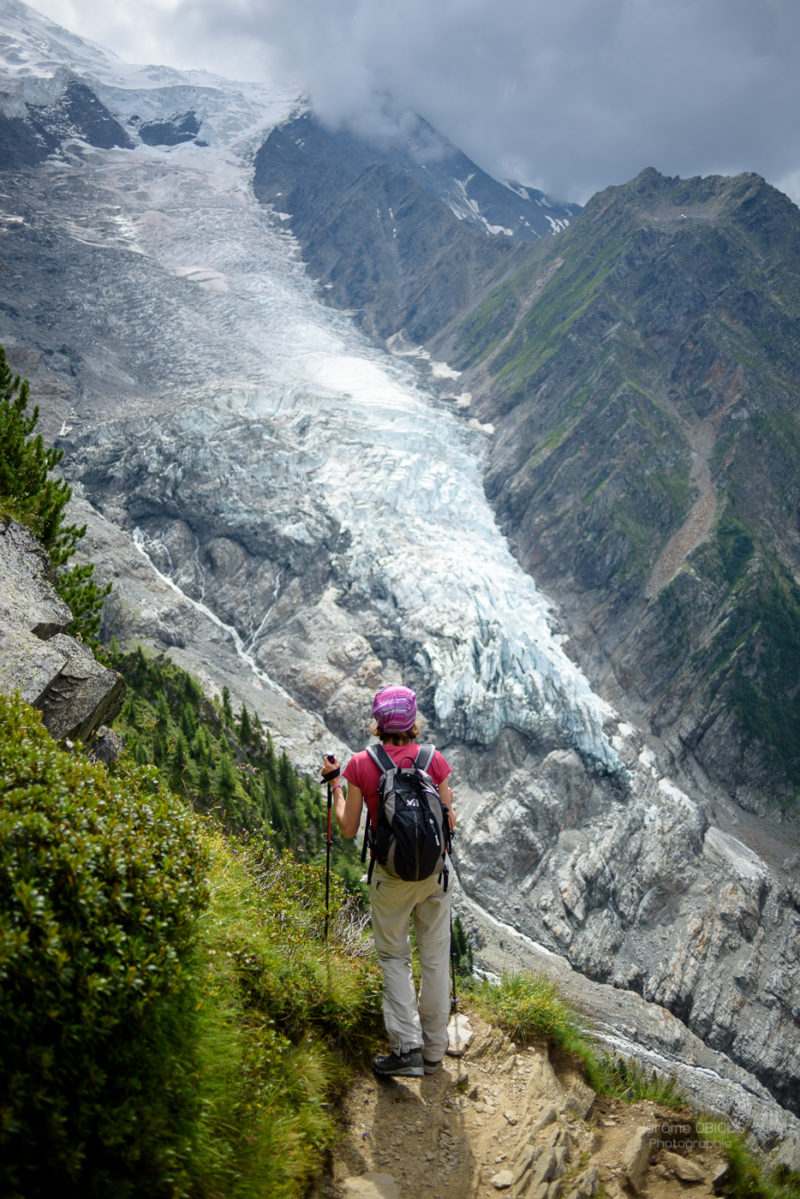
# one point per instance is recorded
(412, 834)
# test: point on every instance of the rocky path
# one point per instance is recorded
(503, 1120)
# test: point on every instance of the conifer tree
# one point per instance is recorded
(226, 778)
(177, 764)
(188, 721)
(159, 747)
(29, 495)
(245, 728)
(162, 714)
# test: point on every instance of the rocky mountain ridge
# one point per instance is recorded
(396, 231)
(667, 331)
(208, 405)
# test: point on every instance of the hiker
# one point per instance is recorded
(417, 1031)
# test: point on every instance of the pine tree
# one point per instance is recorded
(177, 764)
(245, 728)
(461, 949)
(227, 710)
(188, 721)
(159, 747)
(226, 779)
(141, 754)
(28, 495)
(199, 749)
(162, 714)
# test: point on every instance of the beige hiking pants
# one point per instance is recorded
(412, 1022)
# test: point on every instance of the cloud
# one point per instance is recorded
(569, 97)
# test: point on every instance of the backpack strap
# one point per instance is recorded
(381, 758)
(425, 756)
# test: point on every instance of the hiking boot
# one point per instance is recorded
(406, 1065)
(430, 1067)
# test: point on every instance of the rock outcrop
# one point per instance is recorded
(395, 229)
(51, 670)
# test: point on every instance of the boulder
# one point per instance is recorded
(51, 670)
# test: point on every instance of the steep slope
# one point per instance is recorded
(642, 375)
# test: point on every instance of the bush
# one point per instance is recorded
(101, 882)
(282, 1015)
(527, 1006)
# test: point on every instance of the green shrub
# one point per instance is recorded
(281, 1015)
(101, 883)
(527, 1006)
(629, 1081)
(748, 1175)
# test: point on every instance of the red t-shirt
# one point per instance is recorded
(363, 772)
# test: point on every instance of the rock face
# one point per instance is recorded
(639, 889)
(51, 670)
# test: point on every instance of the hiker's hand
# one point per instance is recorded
(330, 768)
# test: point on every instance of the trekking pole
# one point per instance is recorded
(328, 863)
(328, 844)
(453, 951)
(453, 962)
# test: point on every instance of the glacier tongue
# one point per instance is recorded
(212, 284)
(396, 470)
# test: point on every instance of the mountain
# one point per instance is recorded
(665, 327)
(293, 511)
(395, 230)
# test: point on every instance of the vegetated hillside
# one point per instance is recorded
(221, 762)
(642, 370)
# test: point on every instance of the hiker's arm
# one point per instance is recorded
(446, 794)
(347, 809)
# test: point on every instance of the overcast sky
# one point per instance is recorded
(568, 96)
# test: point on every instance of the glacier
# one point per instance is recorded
(397, 468)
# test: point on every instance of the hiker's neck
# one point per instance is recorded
(396, 739)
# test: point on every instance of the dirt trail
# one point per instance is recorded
(508, 1121)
